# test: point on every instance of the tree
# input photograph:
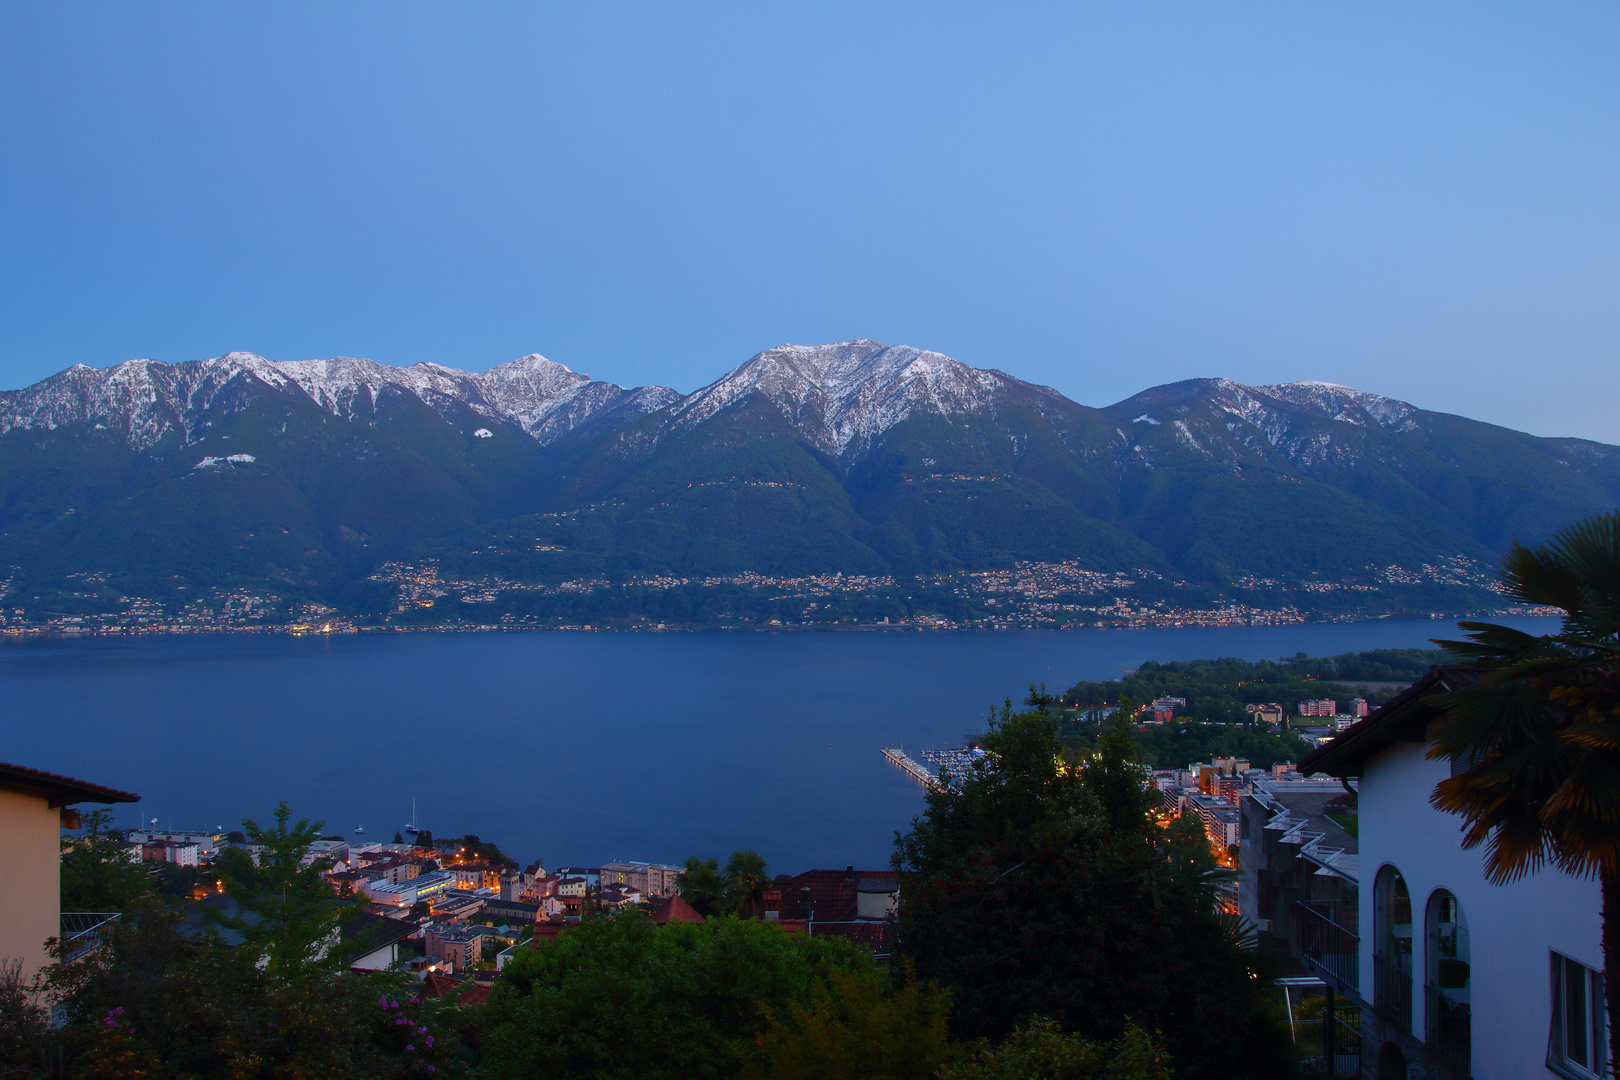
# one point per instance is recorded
(619, 997)
(288, 915)
(1036, 888)
(853, 1029)
(398, 838)
(745, 881)
(157, 1002)
(97, 875)
(702, 886)
(1041, 1050)
(1540, 730)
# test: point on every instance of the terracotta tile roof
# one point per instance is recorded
(832, 893)
(460, 991)
(58, 789)
(674, 909)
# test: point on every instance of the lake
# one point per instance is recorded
(574, 748)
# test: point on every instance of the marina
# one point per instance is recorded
(945, 768)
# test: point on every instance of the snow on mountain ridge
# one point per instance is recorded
(146, 399)
(848, 393)
(1342, 402)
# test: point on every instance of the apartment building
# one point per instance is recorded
(1456, 977)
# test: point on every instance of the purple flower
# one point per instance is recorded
(421, 1030)
(409, 1047)
(383, 1001)
(430, 1042)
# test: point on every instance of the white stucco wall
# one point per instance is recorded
(1511, 928)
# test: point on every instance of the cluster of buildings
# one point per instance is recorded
(447, 917)
(1048, 595)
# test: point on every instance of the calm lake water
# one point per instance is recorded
(576, 748)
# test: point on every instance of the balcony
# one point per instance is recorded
(1392, 988)
(1448, 1028)
(82, 931)
(1333, 950)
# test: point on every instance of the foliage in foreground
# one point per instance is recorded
(1042, 1049)
(1035, 889)
(854, 1029)
(157, 1003)
(621, 997)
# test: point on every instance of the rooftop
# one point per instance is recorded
(59, 790)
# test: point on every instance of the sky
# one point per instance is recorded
(1416, 199)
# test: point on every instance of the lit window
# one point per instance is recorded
(1576, 1046)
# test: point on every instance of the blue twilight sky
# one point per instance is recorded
(1417, 199)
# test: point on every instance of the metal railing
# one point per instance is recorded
(1448, 1028)
(1334, 1050)
(1392, 989)
(82, 931)
(1333, 950)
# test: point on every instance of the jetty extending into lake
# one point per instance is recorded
(910, 766)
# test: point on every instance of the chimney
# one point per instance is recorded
(804, 904)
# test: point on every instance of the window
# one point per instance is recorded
(1576, 1046)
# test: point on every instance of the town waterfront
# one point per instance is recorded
(575, 748)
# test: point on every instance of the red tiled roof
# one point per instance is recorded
(674, 909)
(58, 789)
(832, 893)
(460, 991)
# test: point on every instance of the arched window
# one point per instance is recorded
(1447, 981)
(1392, 947)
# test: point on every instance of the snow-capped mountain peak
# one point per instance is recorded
(147, 399)
(843, 395)
(1342, 402)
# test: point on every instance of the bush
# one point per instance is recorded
(620, 997)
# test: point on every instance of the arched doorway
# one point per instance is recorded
(1392, 948)
(1447, 1011)
(1391, 1063)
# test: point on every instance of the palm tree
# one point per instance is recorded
(746, 882)
(701, 886)
(1539, 733)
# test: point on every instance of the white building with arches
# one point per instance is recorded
(1458, 977)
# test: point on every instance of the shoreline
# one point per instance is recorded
(338, 627)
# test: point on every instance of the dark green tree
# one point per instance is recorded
(1539, 733)
(287, 913)
(1041, 1050)
(621, 998)
(1039, 889)
(703, 886)
(158, 1002)
(745, 880)
(97, 875)
(853, 1028)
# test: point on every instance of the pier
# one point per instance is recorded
(910, 766)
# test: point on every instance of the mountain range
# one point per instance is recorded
(301, 478)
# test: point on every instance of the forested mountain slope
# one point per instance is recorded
(299, 480)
